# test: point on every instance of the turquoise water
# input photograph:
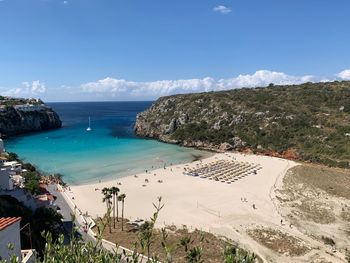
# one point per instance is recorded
(109, 151)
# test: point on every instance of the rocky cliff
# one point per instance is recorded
(18, 119)
(308, 121)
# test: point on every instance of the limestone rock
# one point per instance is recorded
(15, 121)
(225, 147)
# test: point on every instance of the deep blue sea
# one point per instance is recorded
(110, 150)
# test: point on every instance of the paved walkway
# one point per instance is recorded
(65, 210)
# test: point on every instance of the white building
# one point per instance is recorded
(30, 107)
(16, 167)
(6, 182)
(10, 234)
(10, 175)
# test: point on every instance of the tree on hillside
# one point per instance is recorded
(46, 219)
(32, 182)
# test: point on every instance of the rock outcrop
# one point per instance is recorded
(21, 119)
(310, 119)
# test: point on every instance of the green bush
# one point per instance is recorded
(311, 119)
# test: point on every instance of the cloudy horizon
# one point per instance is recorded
(110, 88)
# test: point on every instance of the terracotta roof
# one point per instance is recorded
(6, 221)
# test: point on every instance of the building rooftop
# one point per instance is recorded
(7, 221)
(11, 163)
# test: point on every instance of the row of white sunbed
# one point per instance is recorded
(224, 171)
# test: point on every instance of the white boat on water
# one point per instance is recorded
(89, 127)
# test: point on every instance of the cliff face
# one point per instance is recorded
(308, 121)
(183, 119)
(16, 120)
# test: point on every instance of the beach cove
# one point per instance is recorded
(110, 150)
(231, 195)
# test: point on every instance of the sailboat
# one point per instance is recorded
(89, 127)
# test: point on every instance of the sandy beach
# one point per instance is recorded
(192, 201)
(229, 210)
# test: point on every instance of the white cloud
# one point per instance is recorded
(222, 9)
(122, 88)
(150, 89)
(110, 88)
(344, 75)
(262, 78)
(65, 2)
(37, 87)
(28, 89)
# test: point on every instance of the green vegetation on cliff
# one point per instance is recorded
(309, 121)
(26, 115)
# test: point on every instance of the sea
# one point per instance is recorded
(109, 151)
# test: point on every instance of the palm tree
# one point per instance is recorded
(105, 191)
(121, 198)
(107, 199)
(114, 192)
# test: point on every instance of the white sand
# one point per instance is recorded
(209, 205)
(192, 201)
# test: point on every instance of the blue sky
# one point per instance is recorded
(136, 49)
